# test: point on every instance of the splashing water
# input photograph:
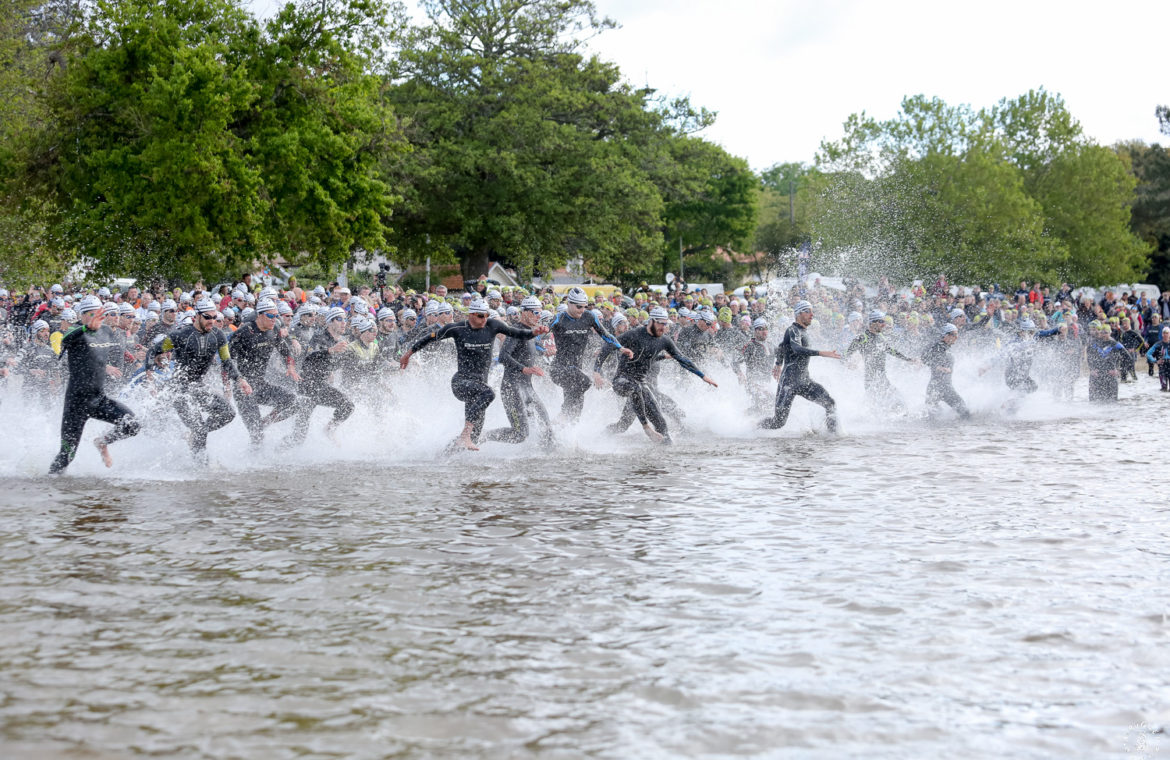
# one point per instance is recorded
(912, 587)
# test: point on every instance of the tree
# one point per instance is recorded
(1150, 219)
(183, 139)
(786, 191)
(712, 199)
(530, 151)
(1014, 191)
(524, 149)
(34, 40)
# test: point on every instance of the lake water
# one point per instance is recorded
(910, 588)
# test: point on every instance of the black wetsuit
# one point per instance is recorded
(194, 353)
(1017, 372)
(1133, 342)
(572, 337)
(696, 343)
(940, 389)
(39, 357)
(755, 358)
(1105, 357)
(793, 354)
(635, 374)
(86, 351)
(873, 348)
(1159, 354)
(252, 348)
(519, 397)
(473, 351)
(316, 372)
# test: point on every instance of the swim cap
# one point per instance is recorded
(56, 289)
(154, 306)
(228, 312)
(577, 296)
(956, 313)
(385, 313)
(284, 308)
(801, 307)
(494, 294)
(444, 308)
(760, 324)
(618, 319)
(531, 303)
(478, 306)
(409, 314)
(39, 325)
(708, 317)
(334, 314)
(205, 307)
(103, 292)
(949, 329)
(877, 315)
(856, 315)
(109, 307)
(364, 325)
(1026, 325)
(266, 306)
(90, 303)
(126, 310)
(658, 314)
(68, 315)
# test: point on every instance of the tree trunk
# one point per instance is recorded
(474, 262)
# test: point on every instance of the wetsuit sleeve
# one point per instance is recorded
(684, 362)
(856, 345)
(501, 328)
(435, 333)
(1047, 333)
(507, 357)
(798, 349)
(605, 334)
(225, 356)
(897, 354)
(1150, 354)
(605, 352)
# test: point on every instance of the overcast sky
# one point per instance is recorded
(784, 74)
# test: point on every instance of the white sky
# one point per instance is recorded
(784, 74)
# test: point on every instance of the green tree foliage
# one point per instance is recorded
(528, 150)
(34, 41)
(1150, 164)
(787, 194)
(1011, 192)
(185, 139)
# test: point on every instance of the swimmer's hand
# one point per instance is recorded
(709, 381)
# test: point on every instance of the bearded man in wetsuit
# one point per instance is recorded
(252, 347)
(518, 358)
(473, 350)
(571, 330)
(640, 348)
(791, 370)
(195, 348)
(86, 347)
(874, 348)
(942, 365)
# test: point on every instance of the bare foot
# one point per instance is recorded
(652, 434)
(331, 434)
(467, 443)
(104, 450)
